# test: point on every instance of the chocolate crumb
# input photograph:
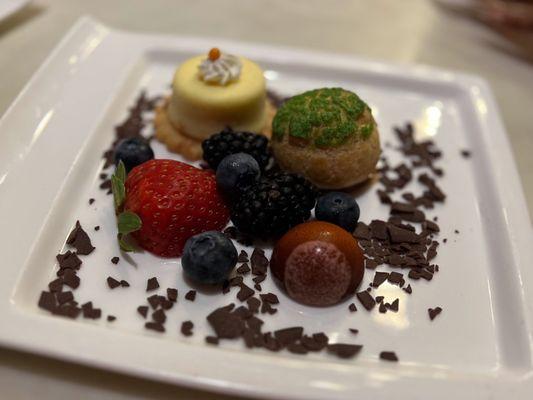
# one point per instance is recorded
(152, 284)
(190, 295)
(115, 260)
(395, 305)
(154, 326)
(253, 304)
(186, 328)
(97, 228)
(466, 153)
(91, 201)
(366, 300)
(159, 316)
(297, 348)
(143, 310)
(379, 278)
(388, 356)
(79, 239)
(258, 287)
(259, 262)
(433, 312)
(47, 301)
(71, 279)
(124, 283)
(225, 324)
(211, 340)
(56, 285)
(379, 299)
(243, 269)
(111, 318)
(64, 297)
(354, 331)
(243, 257)
(112, 282)
(288, 335)
(352, 307)
(269, 298)
(245, 292)
(343, 350)
(172, 294)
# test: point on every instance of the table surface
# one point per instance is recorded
(408, 31)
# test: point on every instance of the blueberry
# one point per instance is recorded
(209, 257)
(236, 172)
(133, 151)
(338, 208)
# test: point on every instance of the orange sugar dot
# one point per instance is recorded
(214, 54)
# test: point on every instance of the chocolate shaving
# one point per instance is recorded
(79, 239)
(433, 312)
(343, 350)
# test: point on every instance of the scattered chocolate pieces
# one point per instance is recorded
(343, 350)
(159, 316)
(253, 304)
(433, 312)
(79, 239)
(243, 269)
(152, 284)
(124, 283)
(288, 335)
(352, 307)
(225, 324)
(245, 292)
(111, 318)
(269, 298)
(97, 228)
(190, 295)
(243, 257)
(172, 294)
(366, 300)
(47, 301)
(112, 282)
(143, 310)
(211, 340)
(259, 262)
(64, 297)
(466, 153)
(379, 278)
(388, 356)
(56, 285)
(91, 201)
(154, 326)
(71, 279)
(90, 312)
(354, 331)
(115, 260)
(154, 301)
(186, 328)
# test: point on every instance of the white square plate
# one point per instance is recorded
(51, 141)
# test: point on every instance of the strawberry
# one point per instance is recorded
(174, 201)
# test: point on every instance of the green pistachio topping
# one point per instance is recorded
(324, 117)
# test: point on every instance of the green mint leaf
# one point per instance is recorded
(128, 222)
(119, 192)
(120, 172)
(125, 246)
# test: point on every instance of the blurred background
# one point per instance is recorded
(490, 38)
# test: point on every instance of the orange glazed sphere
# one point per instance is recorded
(318, 263)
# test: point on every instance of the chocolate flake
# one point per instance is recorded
(47, 301)
(172, 294)
(269, 298)
(111, 318)
(112, 282)
(433, 312)
(64, 297)
(225, 324)
(115, 260)
(211, 340)
(71, 279)
(56, 285)
(288, 335)
(186, 328)
(124, 283)
(354, 331)
(159, 316)
(379, 278)
(259, 262)
(154, 301)
(243, 257)
(352, 307)
(243, 269)
(190, 295)
(152, 284)
(366, 300)
(253, 304)
(245, 292)
(154, 326)
(143, 310)
(388, 356)
(79, 239)
(343, 350)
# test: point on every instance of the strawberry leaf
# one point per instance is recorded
(128, 222)
(119, 192)
(121, 172)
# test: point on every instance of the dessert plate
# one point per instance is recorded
(51, 144)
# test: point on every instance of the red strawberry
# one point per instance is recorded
(174, 201)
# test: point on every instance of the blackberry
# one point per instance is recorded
(276, 203)
(229, 142)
